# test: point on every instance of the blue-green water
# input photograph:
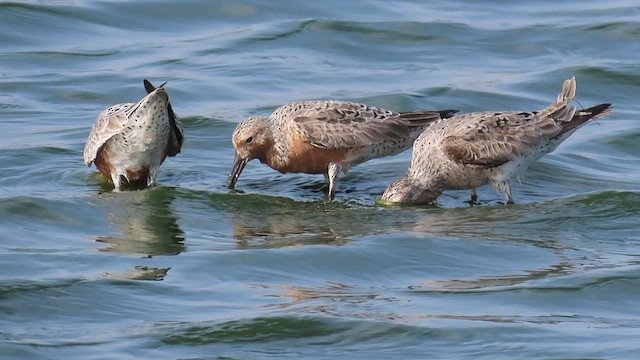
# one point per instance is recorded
(189, 270)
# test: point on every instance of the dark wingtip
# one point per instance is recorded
(175, 130)
(421, 119)
(447, 113)
(598, 109)
(584, 115)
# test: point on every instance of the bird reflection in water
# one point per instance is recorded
(140, 273)
(147, 225)
(495, 224)
(275, 223)
(328, 298)
(146, 221)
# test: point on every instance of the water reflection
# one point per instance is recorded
(331, 298)
(140, 273)
(331, 290)
(496, 283)
(145, 220)
(497, 224)
(270, 222)
(553, 249)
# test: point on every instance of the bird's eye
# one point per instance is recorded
(249, 139)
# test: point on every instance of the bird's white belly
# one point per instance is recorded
(139, 148)
(516, 168)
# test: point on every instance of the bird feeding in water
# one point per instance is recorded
(325, 137)
(128, 142)
(470, 150)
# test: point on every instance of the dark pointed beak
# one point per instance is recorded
(238, 165)
(149, 86)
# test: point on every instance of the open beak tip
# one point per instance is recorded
(238, 165)
(233, 178)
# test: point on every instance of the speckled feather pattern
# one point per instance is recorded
(109, 123)
(469, 150)
(324, 137)
(365, 132)
(135, 138)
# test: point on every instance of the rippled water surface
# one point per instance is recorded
(189, 270)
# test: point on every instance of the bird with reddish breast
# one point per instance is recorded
(326, 137)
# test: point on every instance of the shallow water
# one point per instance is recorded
(191, 270)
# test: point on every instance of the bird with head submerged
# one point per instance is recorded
(128, 142)
(325, 137)
(470, 150)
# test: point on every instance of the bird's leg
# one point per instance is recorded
(474, 196)
(504, 187)
(333, 171)
(115, 178)
(151, 178)
(507, 193)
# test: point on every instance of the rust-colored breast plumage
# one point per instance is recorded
(310, 135)
(104, 163)
(302, 156)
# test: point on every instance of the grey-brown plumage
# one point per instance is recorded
(469, 150)
(325, 137)
(128, 142)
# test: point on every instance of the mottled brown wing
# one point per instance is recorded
(341, 125)
(109, 123)
(492, 139)
(496, 138)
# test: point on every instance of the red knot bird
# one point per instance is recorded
(128, 142)
(470, 150)
(325, 137)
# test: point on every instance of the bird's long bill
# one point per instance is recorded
(236, 169)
